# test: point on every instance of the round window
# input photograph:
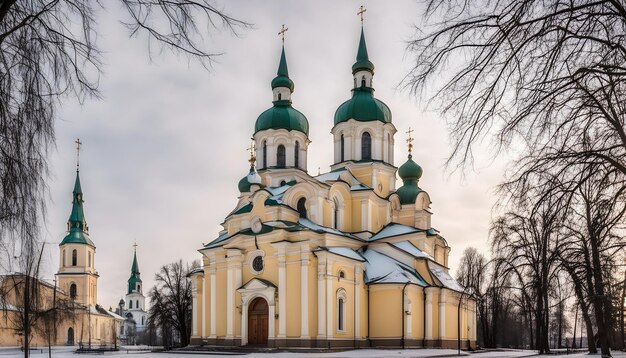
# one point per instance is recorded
(257, 264)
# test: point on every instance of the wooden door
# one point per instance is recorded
(258, 316)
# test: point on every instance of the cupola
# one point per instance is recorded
(410, 173)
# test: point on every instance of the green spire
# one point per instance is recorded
(362, 59)
(77, 216)
(282, 75)
(134, 282)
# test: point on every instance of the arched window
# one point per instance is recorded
(280, 156)
(130, 304)
(342, 146)
(302, 207)
(63, 257)
(73, 291)
(363, 81)
(143, 321)
(138, 288)
(283, 183)
(264, 154)
(280, 97)
(74, 257)
(89, 259)
(342, 274)
(341, 310)
(366, 146)
(70, 336)
(137, 303)
(296, 155)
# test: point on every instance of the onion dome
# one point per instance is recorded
(122, 302)
(362, 59)
(282, 115)
(363, 107)
(410, 173)
(282, 76)
(78, 231)
(252, 178)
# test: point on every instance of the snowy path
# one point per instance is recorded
(68, 352)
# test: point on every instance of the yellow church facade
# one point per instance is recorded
(340, 259)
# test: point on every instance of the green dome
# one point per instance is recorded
(363, 107)
(77, 236)
(282, 116)
(410, 170)
(282, 81)
(246, 182)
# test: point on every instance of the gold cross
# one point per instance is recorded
(135, 246)
(410, 140)
(282, 31)
(362, 9)
(251, 149)
(78, 144)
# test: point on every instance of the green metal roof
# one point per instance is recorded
(363, 107)
(134, 275)
(410, 173)
(282, 116)
(282, 76)
(362, 59)
(77, 225)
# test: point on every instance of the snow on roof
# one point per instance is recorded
(279, 190)
(380, 268)
(344, 251)
(223, 236)
(359, 186)
(394, 229)
(444, 277)
(330, 176)
(411, 249)
(315, 227)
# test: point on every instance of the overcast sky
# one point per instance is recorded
(164, 147)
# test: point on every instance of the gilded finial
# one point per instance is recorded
(78, 144)
(251, 149)
(281, 33)
(361, 11)
(135, 245)
(410, 141)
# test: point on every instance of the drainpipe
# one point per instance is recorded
(403, 313)
(355, 312)
(369, 339)
(424, 318)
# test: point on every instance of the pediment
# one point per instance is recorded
(257, 284)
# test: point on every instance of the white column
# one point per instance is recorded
(194, 307)
(244, 323)
(213, 304)
(442, 314)
(428, 334)
(321, 300)
(204, 279)
(330, 297)
(409, 317)
(272, 318)
(304, 293)
(230, 298)
(357, 301)
(282, 294)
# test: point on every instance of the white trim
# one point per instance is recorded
(213, 308)
(442, 314)
(253, 289)
(428, 334)
(282, 294)
(357, 302)
(203, 332)
(230, 298)
(341, 295)
(321, 301)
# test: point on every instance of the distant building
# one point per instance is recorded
(135, 300)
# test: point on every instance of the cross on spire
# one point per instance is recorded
(410, 140)
(361, 11)
(281, 33)
(78, 144)
(251, 149)
(135, 246)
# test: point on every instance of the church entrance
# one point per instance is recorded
(70, 336)
(258, 322)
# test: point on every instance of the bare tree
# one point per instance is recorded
(171, 300)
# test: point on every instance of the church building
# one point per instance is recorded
(346, 258)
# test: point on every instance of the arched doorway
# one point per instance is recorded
(258, 315)
(70, 336)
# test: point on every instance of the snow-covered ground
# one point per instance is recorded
(68, 352)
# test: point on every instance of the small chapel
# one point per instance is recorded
(347, 258)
